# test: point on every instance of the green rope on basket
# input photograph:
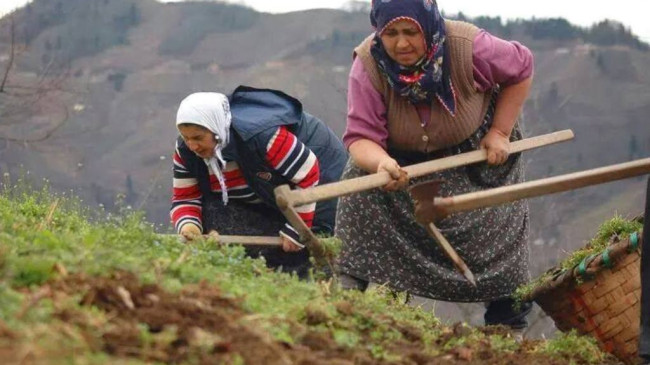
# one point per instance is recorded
(582, 268)
(607, 262)
(634, 242)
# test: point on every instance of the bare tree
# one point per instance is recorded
(12, 52)
(22, 97)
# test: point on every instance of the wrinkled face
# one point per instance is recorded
(404, 42)
(199, 140)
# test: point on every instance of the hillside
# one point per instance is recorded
(90, 100)
(113, 291)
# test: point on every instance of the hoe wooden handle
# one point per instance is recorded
(244, 240)
(251, 240)
(292, 198)
(556, 184)
(451, 253)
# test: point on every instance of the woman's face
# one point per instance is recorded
(198, 139)
(404, 42)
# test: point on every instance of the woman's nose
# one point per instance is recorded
(402, 42)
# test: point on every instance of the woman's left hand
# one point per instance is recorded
(497, 145)
(288, 245)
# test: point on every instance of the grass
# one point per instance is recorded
(43, 235)
(574, 348)
(615, 227)
(29, 258)
(527, 289)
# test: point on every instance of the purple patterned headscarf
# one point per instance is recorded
(430, 77)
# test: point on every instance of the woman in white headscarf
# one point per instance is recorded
(231, 154)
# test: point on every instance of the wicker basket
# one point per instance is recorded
(600, 297)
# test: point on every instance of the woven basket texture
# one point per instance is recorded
(606, 305)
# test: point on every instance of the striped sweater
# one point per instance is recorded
(284, 153)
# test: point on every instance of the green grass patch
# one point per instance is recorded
(573, 348)
(615, 227)
(526, 290)
(38, 236)
(44, 236)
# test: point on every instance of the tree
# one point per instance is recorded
(608, 32)
(131, 195)
(553, 93)
(356, 6)
(12, 53)
(22, 97)
(118, 80)
(554, 28)
(633, 147)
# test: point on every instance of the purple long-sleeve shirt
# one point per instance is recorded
(496, 61)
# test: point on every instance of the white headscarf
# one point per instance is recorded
(212, 111)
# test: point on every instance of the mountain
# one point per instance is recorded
(90, 99)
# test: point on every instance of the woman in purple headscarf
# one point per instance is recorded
(420, 88)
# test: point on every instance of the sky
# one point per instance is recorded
(578, 12)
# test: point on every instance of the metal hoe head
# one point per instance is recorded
(423, 195)
(426, 213)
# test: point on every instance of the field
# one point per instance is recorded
(89, 287)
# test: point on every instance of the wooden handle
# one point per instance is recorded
(444, 244)
(363, 183)
(252, 240)
(534, 188)
(451, 253)
(243, 240)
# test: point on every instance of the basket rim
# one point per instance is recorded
(588, 268)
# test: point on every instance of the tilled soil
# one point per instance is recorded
(201, 325)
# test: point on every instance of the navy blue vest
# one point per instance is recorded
(253, 111)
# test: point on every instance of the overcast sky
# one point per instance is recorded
(579, 12)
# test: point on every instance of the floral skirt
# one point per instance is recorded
(382, 242)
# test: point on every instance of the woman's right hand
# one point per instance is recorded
(399, 175)
(288, 245)
(190, 231)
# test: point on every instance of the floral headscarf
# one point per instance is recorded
(428, 78)
(211, 111)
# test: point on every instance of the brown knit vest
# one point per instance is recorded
(405, 129)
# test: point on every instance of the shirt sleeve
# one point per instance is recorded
(366, 117)
(186, 196)
(292, 159)
(499, 62)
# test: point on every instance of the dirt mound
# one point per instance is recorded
(199, 324)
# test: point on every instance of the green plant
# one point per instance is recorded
(573, 348)
(616, 227)
(47, 237)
